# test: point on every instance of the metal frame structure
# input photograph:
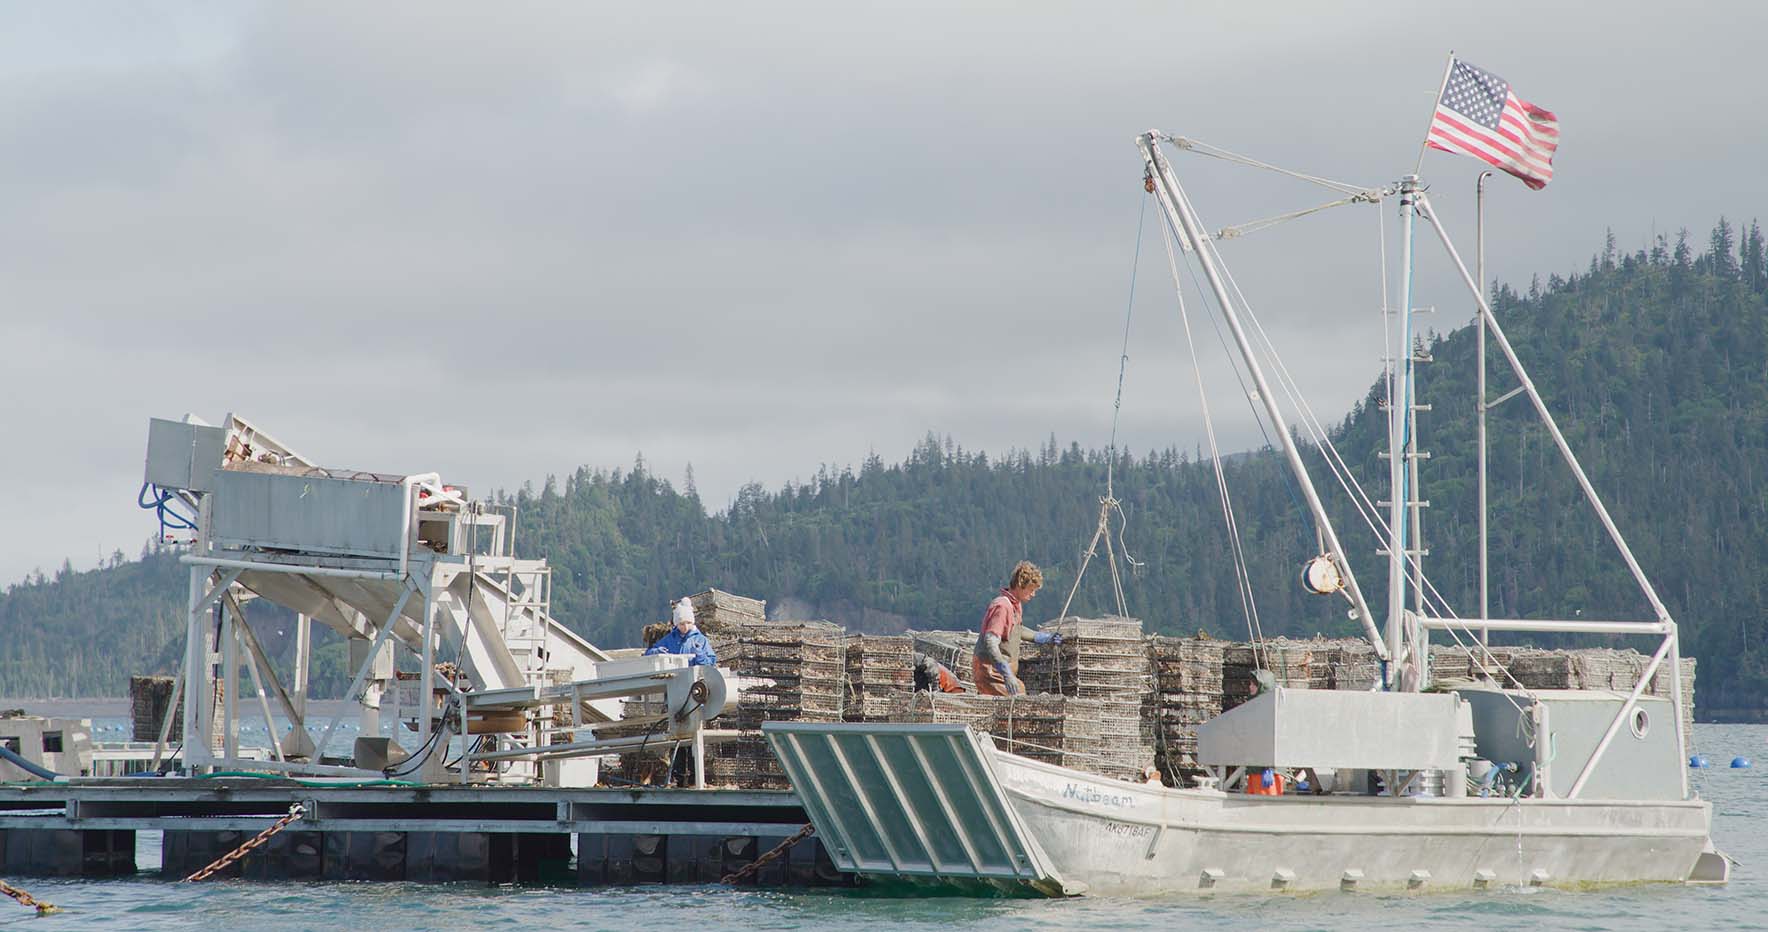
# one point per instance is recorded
(440, 585)
(1407, 629)
(1665, 624)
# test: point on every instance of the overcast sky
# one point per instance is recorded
(502, 241)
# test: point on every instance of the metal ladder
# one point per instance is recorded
(523, 627)
(526, 609)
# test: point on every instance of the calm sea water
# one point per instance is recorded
(1740, 799)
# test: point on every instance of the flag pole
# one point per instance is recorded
(1424, 146)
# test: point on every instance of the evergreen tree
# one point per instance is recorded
(1755, 263)
(1722, 247)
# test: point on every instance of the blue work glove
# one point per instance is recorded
(1012, 684)
(1046, 637)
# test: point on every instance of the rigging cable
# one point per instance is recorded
(1253, 226)
(1123, 358)
(1366, 508)
(1109, 503)
(1285, 381)
(1184, 144)
(1290, 485)
(1342, 471)
(1242, 577)
(1335, 461)
(1316, 431)
(1292, 391)
(1358, 195)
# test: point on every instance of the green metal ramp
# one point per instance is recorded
(911, 801)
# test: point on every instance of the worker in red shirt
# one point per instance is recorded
(995, 662)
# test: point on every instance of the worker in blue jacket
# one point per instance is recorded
(685, 638)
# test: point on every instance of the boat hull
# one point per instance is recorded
(1113, 838)
(940, 804)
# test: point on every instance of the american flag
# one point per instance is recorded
(1479, 116)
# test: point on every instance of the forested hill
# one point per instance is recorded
(1655, 362)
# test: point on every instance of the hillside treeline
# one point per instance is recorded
(1655, 362)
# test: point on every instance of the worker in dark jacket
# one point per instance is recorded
(933, 676)
(685, 638)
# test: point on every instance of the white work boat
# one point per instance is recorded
(940, 803)
(1485, 786)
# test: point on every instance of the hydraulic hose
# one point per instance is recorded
(12, 757)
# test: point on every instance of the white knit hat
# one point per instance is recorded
(684, 611)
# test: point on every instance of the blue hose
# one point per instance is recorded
(12, 757)
(1489, 782)
(159, 501)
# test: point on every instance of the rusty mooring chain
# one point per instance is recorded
(25, 899)
(768, 858)
(295, 812)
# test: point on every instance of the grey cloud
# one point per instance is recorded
(507, 243)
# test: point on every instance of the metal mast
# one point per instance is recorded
(1480, 402)
(1180, 214)
(1400, 444)
(1415, 504)
(1403, 457)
